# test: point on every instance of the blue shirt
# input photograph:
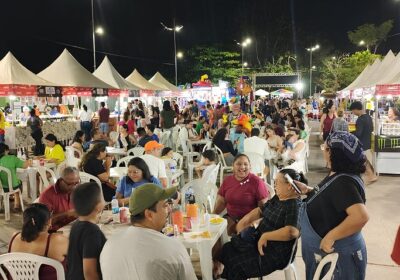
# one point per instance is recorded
(155, 137)
(126, 185)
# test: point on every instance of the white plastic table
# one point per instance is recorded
(118, 172)
(203, 245)
(116, 151)
(30, 174)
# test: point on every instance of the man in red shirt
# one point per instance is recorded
(57, 198)
(104, 116)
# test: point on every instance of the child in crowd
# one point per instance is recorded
(143, 137)
(150, 132)
(86, 240)
(206, 165)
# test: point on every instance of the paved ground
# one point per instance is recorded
(383, 203)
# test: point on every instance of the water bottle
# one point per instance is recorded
(188, 194)
(115, 210)
(172, 166)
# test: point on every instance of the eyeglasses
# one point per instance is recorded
(72, 184)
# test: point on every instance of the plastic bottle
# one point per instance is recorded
(115, 210)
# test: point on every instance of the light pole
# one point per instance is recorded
(243, 44)
(100, 31)
(175, 28)
(311, 50)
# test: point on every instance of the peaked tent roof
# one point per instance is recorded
(391, 74)
(261, 92)
(160, 81)
(107, 73)
(138, 80)
(359, 78)
(365, 77)
(381, 71)
(66, 71)
(12, 72)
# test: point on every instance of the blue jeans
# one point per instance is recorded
(103, 127)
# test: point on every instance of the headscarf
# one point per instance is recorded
(348, 143)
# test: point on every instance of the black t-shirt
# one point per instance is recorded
(143, 140)
(86, 241)
(364, 129)
(328, 209)
(94, 167)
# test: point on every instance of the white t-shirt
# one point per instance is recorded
(145, 254)
(156, 166)
(85, 116)
(256, 145)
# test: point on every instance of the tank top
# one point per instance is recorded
(46, 272)
(328, 123)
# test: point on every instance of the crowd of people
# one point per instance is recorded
(264, 228)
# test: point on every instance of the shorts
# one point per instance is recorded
(103, 127)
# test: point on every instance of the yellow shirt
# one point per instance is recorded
(56, 153)
(2, 121)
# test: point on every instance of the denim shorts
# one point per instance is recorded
(103, 127)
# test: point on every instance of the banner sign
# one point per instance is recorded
(145, 93)
(18, 90)
(387, 89)
(77, 91)
(49, 91)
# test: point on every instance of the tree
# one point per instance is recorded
(338, 73)
(371, 35)
(216, 63)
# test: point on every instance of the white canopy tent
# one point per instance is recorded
(107, 73)
(159, 80)
(379, 72)
(393, 74)
(261, 93)
(12, 72)
(138, 80)
(66, 71)
(363, 80)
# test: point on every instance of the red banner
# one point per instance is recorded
(118, 93)
(76, 91)
(145, 93)
(387, 89)
(18, 90)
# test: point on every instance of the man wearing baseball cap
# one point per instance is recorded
(142, 251)
(153, 161)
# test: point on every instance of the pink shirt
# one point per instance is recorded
(242, 197)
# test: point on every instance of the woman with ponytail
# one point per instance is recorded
(54, 151)
(35, 239)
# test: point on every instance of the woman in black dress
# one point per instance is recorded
(259, 252)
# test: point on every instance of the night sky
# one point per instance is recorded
(36, 31)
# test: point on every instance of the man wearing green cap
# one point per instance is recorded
(142, 251)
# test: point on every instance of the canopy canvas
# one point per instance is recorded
(138, 80)
(108, 74)
(360, 82)
(67, 72)
(261, 92)
(282, 93)
(380, 71)
(160, 81)
(16, 79)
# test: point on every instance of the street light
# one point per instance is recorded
(245, 64)
(174, 29)
(179, 55)
(362, 43)
(311, 50)
(99, 31)
(243, 45)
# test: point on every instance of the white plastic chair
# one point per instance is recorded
(73, 152)
(6, 195)
(257, 164)
(44, 182)
(24, 266)
(164, 138)
(332, 259)
(179, 159)
(86, 178)
(224, 166)
(137, 151)
(62, 166)
(212, 176)
(202, 191)
(124, 160)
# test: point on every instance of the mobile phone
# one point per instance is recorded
(291, 182)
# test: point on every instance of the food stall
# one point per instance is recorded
(387, 130)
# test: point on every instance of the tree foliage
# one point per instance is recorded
(216, 63)
(372, 35)
(338, 73)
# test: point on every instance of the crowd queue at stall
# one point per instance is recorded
(141, 166)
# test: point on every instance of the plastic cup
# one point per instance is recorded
(123, 215)
(191, 210)
(177, 219)
(195, 223)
